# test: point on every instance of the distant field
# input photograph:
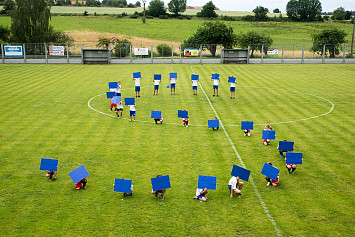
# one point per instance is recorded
(51, 118)
(112, 10)
(178, 30)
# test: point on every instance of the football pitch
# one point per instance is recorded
(61, 112)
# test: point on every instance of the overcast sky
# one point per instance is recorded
(249, 5)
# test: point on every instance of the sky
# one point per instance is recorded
(249, 5)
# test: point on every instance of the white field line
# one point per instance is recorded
(238, 125)
(243, 165)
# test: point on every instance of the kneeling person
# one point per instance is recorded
(201, 194)
(235, 186)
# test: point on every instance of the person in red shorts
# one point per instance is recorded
(266, 141)
(291, 166)
(52, 175)
(81, 183)
(272, 182)
(113, 105)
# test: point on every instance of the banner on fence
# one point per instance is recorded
(191, 52)
(141, 51)
(272, 52)
(13, 51)
(56, 50)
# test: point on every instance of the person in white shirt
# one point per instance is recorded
(137, 86)
(215, 86)
(119, 108)
(201, 194)
(132, 112)
(156, 86)
(232, 90)
(194, 86)
(172, 85)
(235, 186)
(118, 89)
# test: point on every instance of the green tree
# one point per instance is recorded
(138, 4)
(292, 10)
(276, 10)
(261, 13)
(4, 34)
(212, 33)
(8, 6)
(339, 14)
(156, 8)
(304, 10)
(255, 40)
(208, 11)
(30, 23)
(332, 38)
(177, 6)
(106, 42)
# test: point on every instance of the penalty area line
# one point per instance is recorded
(266, 210)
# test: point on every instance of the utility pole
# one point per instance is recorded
(144, 1)
(352, 40)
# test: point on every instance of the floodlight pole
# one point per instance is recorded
(144, 1)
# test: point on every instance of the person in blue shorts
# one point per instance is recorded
(201, 194)
(232, 90)
(172, 85)
(132, 112)
(156, 87)
(194, 86)
(215, 86)
(137, 86)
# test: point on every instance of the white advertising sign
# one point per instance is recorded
(140, 51)
(272, 52)
(13, 51)
(56, 50)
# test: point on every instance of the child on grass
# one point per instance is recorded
(201, 194)
(162, 192)
(119, 108)
(267, 141)
(132, 112)
(271, 182)
(81, 183)
(235, 186)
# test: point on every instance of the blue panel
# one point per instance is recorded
(269, 134)
(123, 185)
(129, 101)
(137, 75)
(270, 171)
(49, 164)
(156, 114)
(241, 172)
(183, 114)
(209, 182)
(116, 99)
(194, 77)
(293, 158)
(110, 95)
(112, 85)
(78, 174)
(215, 76)
(213, 123)
(157, 76)
(173, 75)
(160, 183)
(285, 146)
(231, 79)
(249, 125)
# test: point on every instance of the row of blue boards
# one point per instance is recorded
(162, 182)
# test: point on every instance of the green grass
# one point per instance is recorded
(44, 113)
(114, 10)
(166, 30)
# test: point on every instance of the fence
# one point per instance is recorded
(174, 53)
(296, 53)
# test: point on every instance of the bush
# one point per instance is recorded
(248, 18)
(163, 17)
(85, 13)
(164, 50)
(122, 48)
(228, 18)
